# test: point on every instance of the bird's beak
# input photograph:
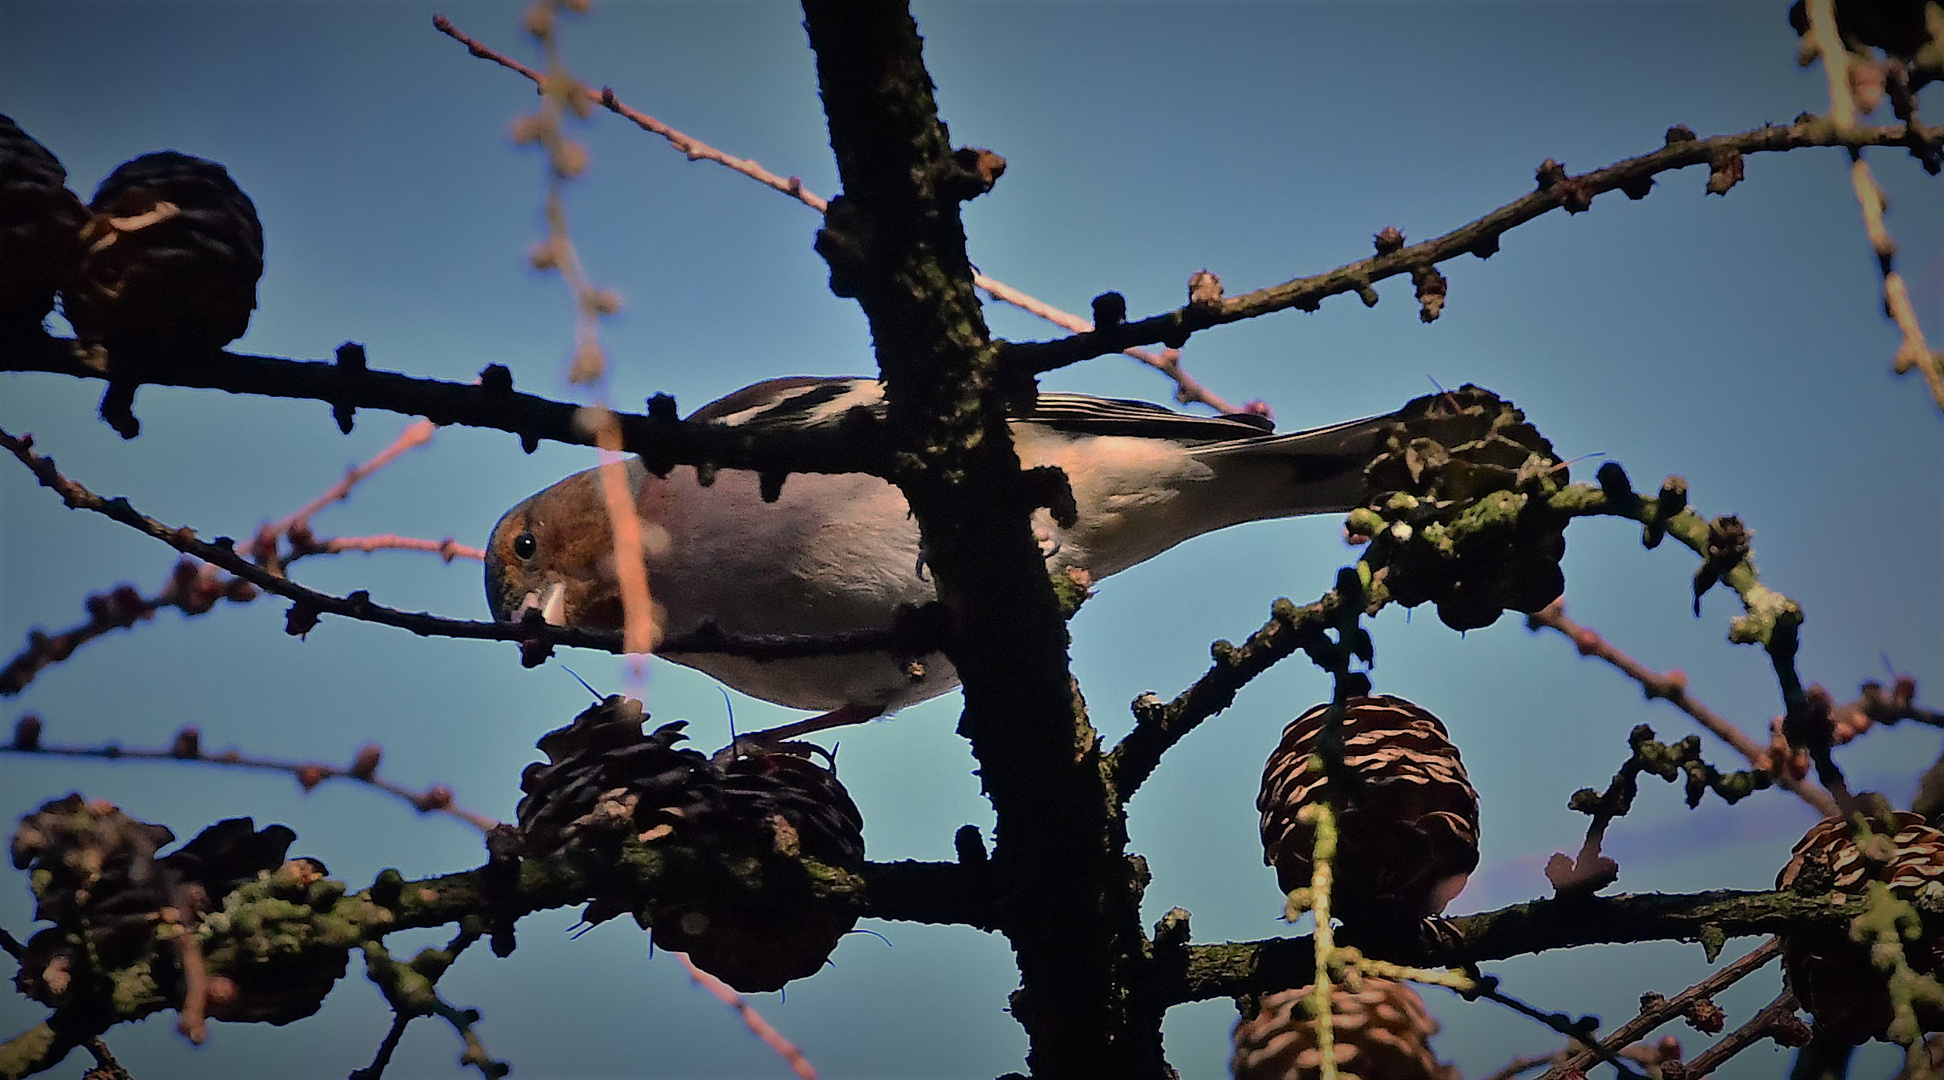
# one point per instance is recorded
(550, 602)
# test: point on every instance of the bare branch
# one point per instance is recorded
(193, 588)
(1763, 1025)
(416, 434)
(660, 438)
(1158, 727)
(759, 1027)
(1672, 687)
(914, 637)
(1233, 968)
(1667, 1009)
(187, 747)
(1168, 362)
(1479, 237)
(1912, 352)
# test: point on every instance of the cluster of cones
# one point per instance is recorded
(124, 918)
(1407, 820)
(160, 265)
(608, 783)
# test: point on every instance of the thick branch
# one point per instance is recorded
(1481, 237)
(492, 403)
(894, 241)
(1235, 968)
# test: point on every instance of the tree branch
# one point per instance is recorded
(1235, 968)
(1760, 1026)
(1158, 727)
(915, 636)
(1168, 362)
(187, 746)
(1673, 688)
(1479, 237)
(1666, 1009)
(660, 438)
(894, 241)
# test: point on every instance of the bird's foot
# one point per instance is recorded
(776, 736)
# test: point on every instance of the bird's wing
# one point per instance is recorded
(793, 403)
(1083, 415)
(800, 402)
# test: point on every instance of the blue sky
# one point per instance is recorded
(1736, 341)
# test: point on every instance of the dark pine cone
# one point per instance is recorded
(40, 230)
(1407, 838)
(1831, 974)
(173, 254)
(96, 876)
(1381, 1032)
(606, 781)
(782, 799)
(1456, 509)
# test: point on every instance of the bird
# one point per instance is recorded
(842, 552)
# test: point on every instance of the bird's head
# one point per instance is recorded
(554, 553)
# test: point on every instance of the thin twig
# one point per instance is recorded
(447, 548)
(916, 640)
(1912, 351)
(188, 747)
(465, 1023)
(1564, 1025)
(1480, 237)
(758, 1026)
(106, 1066)
(1672, 687)
(1660, 1013)
(1759, 1027)
(416, 434)
(386, 1048)
(193, 588)
(1168, 362)
(1519, 1066)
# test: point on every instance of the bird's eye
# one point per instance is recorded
(525, 546)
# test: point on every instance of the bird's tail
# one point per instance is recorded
(1319, 471)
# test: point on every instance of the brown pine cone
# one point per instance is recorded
(40, 230)
(798, 808)
(1455, 509)
(1831, 974)
(1381, 1032)
(606, 783)
(605, 780)
(173, 253)
(1407, 838)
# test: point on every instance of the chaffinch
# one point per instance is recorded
(838, 552)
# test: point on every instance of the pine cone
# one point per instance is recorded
(1407, 838)
(1456, 509)
(606, 781)
(96, 876)
(281, 958)
(1381, 1032)
(173, 254)
(1831, 974)
(40, 230)
(783, 799)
